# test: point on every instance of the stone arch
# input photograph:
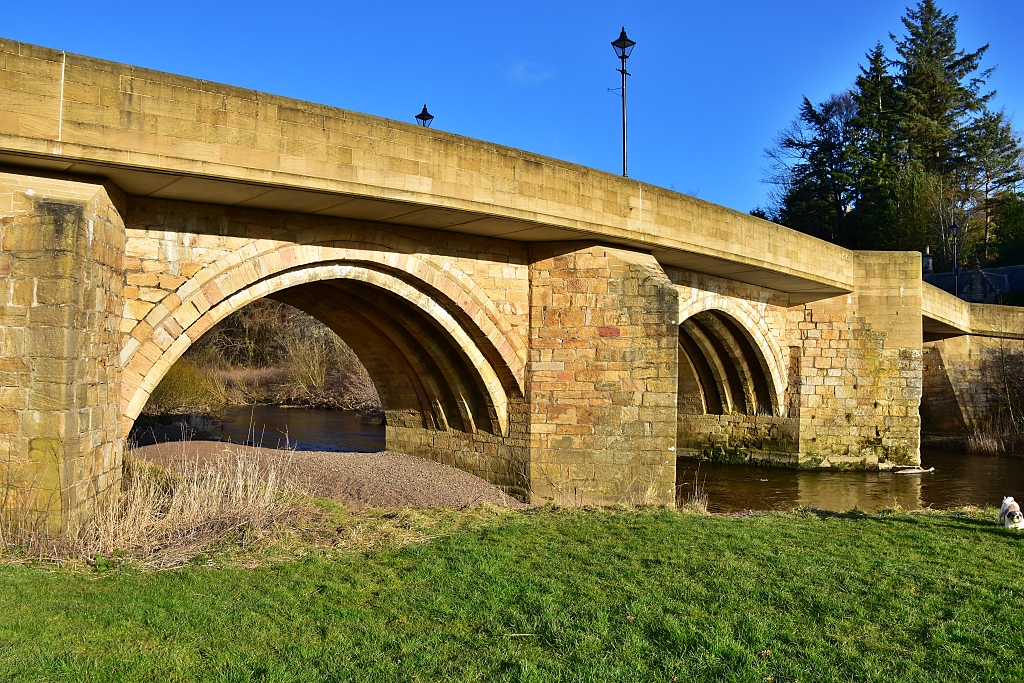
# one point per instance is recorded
(744, 357)
(206, 304)
(262, 258)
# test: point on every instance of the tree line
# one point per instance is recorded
(912, 148)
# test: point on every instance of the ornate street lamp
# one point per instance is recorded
(623, 47)
(424, 118)
(954, 231)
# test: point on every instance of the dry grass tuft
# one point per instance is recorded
(986, 443)
(692, 496)
(165, 518)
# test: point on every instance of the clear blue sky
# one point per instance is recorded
(713, 81)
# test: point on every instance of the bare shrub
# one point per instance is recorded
(266, 353)
(312, 355)
(1001, 428)
(164, 517)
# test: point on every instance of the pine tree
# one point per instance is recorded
(876, 122)
(812, 169)
(875, 150)
(939, 86)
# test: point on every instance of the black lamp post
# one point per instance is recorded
(954, 231)
(623, 47)
(424, 118)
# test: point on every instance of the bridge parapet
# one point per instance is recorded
(944, 314)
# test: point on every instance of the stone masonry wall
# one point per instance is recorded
(602, 376)
(61, 284)
(183, 259)
(966, 380)
(858, 376)
(501, 460)
(584, 340)
(847, 370)
(760, 311)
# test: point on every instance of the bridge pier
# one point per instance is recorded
(61, 283)
(858, 384)
(601, 382)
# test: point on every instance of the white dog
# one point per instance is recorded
(1010, 514)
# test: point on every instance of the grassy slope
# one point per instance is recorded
(609, 596)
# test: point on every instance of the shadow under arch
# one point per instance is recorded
(455, 384)
(728, 362)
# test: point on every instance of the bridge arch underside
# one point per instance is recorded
(730, 403)
(444, 397)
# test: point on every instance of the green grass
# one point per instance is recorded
(605, 596)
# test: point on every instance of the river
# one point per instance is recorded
(958, 479)
(304, 429)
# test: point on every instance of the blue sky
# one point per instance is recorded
(713, 81)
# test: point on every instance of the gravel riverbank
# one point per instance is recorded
(356, 480)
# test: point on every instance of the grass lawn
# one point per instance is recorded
(549, 595)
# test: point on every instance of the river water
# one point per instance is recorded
(301, 428)
(958, 479)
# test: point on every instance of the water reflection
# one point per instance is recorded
(959, 479)
(868, 491)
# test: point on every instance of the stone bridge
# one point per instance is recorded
(563, 332)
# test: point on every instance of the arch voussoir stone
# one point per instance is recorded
(229, 274)
(152, 364)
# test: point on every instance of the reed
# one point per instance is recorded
(692, 496)
(986, 443)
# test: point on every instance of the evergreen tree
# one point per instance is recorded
(938, 85)
(813, 171)
(911, 149)
(876, 122)
(876, 152)
(1009, 228)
